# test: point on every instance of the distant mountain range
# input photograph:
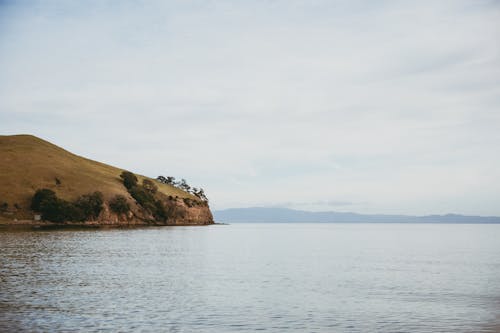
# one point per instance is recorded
(285, 215)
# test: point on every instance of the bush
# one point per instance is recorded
(160, 212)
(147, 201)
(119, 204)
(53, 209)
(41, 196)
(129, 179)
(59, 210)
(90, 205)
(149, 186)
(143, 198)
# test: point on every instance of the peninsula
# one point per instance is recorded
(43, 184)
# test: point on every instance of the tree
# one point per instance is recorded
(90, 205)
(119, 204)
(201, 195)
(161, 179)
(183, 185)
(129, 179)
(166, 180)
(143, 198)
(58, 210)
(53, 209)
(41, 196)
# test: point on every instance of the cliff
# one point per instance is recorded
(28, 163)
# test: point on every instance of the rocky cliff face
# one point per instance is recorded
(179, 214)
(182, 214)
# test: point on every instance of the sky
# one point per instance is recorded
(365, 106)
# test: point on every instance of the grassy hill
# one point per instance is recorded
(28, 163)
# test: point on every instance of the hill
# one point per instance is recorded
(285, 215)
(28, 163)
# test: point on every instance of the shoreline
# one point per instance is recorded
(42, 225)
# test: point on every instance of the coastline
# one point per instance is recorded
(44, 225)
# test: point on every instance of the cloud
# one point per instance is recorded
(392, 106)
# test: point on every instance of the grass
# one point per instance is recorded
(28, 163)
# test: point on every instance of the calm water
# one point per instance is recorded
(248, 277)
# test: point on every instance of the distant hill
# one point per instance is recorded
(285, 215)
(28, 163)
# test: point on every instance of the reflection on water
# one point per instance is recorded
(247, 277)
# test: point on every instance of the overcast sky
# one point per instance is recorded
(364, 106)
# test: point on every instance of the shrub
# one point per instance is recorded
(149, 186)
(129, 179)
(188, 202)
(4, 206)
(58, 210)
(160, 211)
(143, 198)
(90, 205)
(53, 209)
(41, 196)
(119, 204)
(72, 212)
(147, 201)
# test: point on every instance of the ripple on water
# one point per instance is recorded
(277, 278)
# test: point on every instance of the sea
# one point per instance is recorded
(295, 277)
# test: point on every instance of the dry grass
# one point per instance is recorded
(28, 163)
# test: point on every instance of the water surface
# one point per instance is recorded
(248, 277)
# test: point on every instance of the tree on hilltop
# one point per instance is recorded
(162, 179)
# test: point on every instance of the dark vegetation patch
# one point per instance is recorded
(119, 204)
(89, 206)
(86, 207)
(144, 195)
